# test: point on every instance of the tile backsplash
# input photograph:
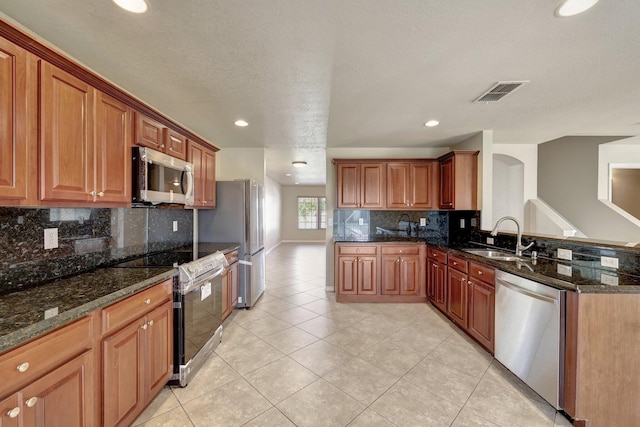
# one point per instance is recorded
(87, 238)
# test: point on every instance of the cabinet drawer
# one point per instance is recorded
(482, 272)
(232, 257)
(437, 254)
(357, 250)
(401, 250)
(30, 361)
(123, 312)
(457, 263)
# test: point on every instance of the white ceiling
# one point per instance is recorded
(311, 74)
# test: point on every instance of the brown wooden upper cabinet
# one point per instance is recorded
(153, 134)
(361, 184)
(459, 180)
(84, 141)
(412, 185)
(18, 125)
(204, 166)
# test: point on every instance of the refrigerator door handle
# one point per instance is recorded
(243, 262)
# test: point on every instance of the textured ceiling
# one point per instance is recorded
(311, 74)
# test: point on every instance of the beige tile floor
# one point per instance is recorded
(298, 358)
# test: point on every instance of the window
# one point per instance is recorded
(312, 213)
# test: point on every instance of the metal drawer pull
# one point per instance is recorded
(92, 193)
(144, 326)
(150, 322)
(101, 194)
(31, 402)
(147, 301)
(23, 367)
(14, 412)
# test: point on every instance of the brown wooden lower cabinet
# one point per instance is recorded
(137, 360)
(482, 301)
(379, 272)
(229, 289)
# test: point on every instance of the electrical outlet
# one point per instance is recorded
(565, 254)
(360, 221)
(607, 279)
(423, 222)
(462, 223)
(239, 300)
(52, 312)
(565, 270)
(50, 238)
(175, 225)
(490, 241)
(606, 261)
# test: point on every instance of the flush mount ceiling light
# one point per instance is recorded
(299, 164)
(574, 7)
(241, 123)
(287, 174)
(133, 6)
(432, 123)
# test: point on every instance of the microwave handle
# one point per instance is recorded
(188, 195)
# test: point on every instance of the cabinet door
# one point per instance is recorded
(367, 276)
(410, 275)
(447, 185)
(195, 156)
(423, 189)
(347, 275)
(209, 165)
(390, 275)
(349, 185)
(113, 150)
(372, 179)
(441, 286)
(481, 312)
(148, 133)
(457, 290)
(63, 397)
(398, 185)
(18, 130)
(123, 392)
(431, 278)
(175, 144)
(10, 410)
(66, 136)
(158, 366)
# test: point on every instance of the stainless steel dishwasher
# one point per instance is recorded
(530, 334)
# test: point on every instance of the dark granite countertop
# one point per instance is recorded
(584, 278)
(379, 238)
(22, 311)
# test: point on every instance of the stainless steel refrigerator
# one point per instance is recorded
(238, 217)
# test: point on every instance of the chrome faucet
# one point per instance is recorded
(519, 247)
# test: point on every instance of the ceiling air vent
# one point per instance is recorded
(499, 91)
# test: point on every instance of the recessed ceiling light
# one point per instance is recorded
(134, 6)
(574, 7)
(432, 123)
(241, 123)
(297, 183)
(299, 164)
(287, 174)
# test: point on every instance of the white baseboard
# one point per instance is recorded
(304, 241)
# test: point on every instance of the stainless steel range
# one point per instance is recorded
(197, 306)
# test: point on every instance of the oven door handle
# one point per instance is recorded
(187, 287)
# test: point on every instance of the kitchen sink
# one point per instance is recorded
(493, 254)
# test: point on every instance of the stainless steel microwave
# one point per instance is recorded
(160, 178)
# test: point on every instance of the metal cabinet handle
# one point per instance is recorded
(14, 412)
(147, 301)
(170, 149)
(23, 367)
(469, 282)
(92, 193)
(31, 402)
(101, 194)
(455, 263)
(144, 326)
(161, 145)
(150, 322)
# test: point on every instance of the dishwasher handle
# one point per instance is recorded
(526, 292)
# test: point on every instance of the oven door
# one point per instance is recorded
(198, 325)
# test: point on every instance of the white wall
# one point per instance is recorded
(290, 231)
(241, 163)
(272, 213)
(508, 190)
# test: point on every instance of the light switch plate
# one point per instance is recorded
(175, 225)
(565, 270)
(50, 238)
(565, 254)
(423, 222)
